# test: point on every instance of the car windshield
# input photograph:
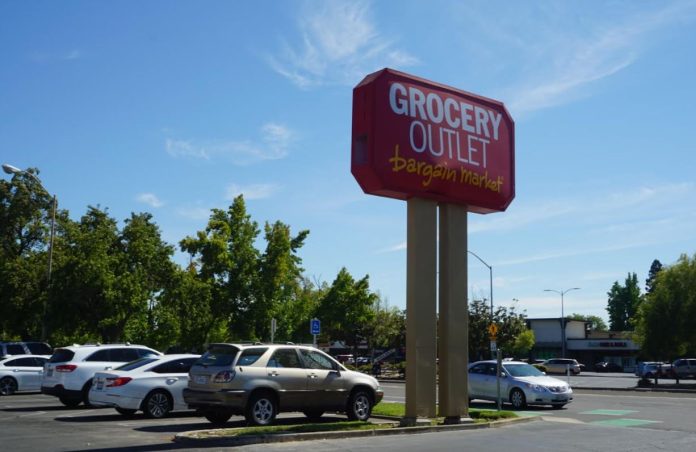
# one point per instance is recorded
(522, 370)
(135, 364)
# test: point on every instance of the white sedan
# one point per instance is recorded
(520, 384)
(152, 384)
(21, 373)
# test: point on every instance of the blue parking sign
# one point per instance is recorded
(314, 326)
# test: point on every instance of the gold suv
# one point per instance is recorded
(261, 380)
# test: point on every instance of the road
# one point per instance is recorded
(622, 420)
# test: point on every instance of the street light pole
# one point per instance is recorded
(490, 275)
(563, 338)
(9, 169)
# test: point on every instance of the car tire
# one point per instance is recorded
(127, 412)
(85, 393)
(359, 406)
(70, 402)
(518, 399)
(217, 416)
(157, 404)
(8, 386)
(313, 414)
(261, 409)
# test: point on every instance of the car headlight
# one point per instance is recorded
(537, 388)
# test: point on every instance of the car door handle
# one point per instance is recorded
(172, 380)
(312, 376)
(273, 374)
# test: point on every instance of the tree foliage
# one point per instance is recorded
(623, 303)
(511, 325)
(655, 268)
(665, 321)
(598, 323)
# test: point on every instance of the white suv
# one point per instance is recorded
(68, 374)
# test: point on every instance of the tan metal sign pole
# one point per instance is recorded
(454, 318)
(421, 322)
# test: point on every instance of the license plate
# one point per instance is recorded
(100, 385)
(49, 373)
(200, 379)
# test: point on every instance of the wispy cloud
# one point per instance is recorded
(338, 43)
(193, 212)
(564, 55)
(150, 199)
(48, 57)
(253, 191)
(273, 143)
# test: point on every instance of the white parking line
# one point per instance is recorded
(36, 413)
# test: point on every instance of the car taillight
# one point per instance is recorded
(120, 381)
(224, 377)
(66, 368)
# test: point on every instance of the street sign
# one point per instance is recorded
(494, 346)
(315, 326)
(493, 330)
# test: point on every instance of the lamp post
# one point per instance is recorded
(490, 274)
(9, 169)
(563, 338)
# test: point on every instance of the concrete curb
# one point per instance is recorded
(189, 437)
(638, 390)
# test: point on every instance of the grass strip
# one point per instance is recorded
(299, 428)
(398, 410)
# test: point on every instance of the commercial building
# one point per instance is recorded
(582, 343)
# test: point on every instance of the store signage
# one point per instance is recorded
(416, 138)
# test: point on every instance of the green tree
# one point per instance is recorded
(510, 325)
(598, 323)
(280, 276)
(623, 303)
(388, 327)
(347, 309)
(665, 322)
(25, 209)
(228, 262)
(655, 268)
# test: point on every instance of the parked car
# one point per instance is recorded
(605, 366)
(68, 373)
(521, 384)
(21, 373)
(684, 368)
(560, 366)
(152, 384)
(8, 349)
(259, 381)
(649, 369)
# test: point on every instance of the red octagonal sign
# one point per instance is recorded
(416, 138)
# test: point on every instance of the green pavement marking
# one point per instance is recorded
(624, 422)
(532, 413)
(610, 412)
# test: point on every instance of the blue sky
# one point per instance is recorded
(176, 107)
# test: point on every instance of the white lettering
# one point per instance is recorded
(421, 148)
(398, 105)
(435, 117)
(451, 104)
(466, 116)
(495, 120)
(481, 121)
(417, 100)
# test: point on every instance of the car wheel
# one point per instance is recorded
(313, 414)
(217, 416)
(261, 409)
(70, 402)
(157, 404)
(125, 411)
(8, 386)
(85, 392)
(517, 399)
(359, 406)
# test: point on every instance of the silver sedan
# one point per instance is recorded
(520, 384)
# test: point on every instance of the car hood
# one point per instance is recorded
(543, 380)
